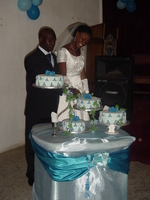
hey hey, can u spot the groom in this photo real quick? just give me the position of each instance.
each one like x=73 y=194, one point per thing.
x=39 y=102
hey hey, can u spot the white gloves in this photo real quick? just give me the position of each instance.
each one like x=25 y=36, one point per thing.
x=85 y=86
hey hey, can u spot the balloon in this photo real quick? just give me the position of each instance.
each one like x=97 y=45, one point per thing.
x=33 y=13
x=37 y=2
x=121 y=5
x=124 y=1
x=24 y=5
x=130 y=6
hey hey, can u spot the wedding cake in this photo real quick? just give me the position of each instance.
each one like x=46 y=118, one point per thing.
x=78 y=125
x=49 y=79
x=88 y=102
x=112 y=116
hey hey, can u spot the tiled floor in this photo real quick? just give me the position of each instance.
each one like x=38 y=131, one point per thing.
x=13 y=182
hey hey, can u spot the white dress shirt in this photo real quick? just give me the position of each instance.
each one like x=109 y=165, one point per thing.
x=46 y=52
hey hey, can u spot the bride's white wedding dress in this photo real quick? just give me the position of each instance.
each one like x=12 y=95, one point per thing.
x=74 y=66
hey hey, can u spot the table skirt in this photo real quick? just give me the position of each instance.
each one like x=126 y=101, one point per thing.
x=101 y=182
x=105 y=184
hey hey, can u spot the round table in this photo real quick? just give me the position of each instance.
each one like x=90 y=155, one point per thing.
x=103 y=181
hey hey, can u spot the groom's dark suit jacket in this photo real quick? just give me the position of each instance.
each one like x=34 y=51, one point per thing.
x=39 y=102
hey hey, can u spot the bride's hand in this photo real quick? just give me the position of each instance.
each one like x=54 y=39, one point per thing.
x=74 y=91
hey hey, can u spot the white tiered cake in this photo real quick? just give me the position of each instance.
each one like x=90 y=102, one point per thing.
x=49 y=79
x=112 y=116
x=88 y=102
x=77 y=126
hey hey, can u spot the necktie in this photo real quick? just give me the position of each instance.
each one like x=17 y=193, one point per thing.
x=49 y=57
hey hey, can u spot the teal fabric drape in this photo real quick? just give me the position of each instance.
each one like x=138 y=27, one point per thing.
x=120 y=161
x=62 y=168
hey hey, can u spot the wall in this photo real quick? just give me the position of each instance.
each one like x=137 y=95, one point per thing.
x=18 y=36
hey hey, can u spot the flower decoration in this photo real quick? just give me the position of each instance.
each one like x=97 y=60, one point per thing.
x=75 y=118
x=113 y=109
x=49 y=73
x=70 y=97
x=87 y=96
x=119 y=123
x=93 y=121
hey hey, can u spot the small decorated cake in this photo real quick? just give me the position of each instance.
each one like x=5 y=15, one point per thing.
x=88 y=102
x=112 y=115
x=49 y=79
x=78 y=125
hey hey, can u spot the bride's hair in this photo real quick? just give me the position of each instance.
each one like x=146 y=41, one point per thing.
x=83 y=28
x=69 y=33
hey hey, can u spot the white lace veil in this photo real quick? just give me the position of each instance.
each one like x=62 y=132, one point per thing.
x=66 y=36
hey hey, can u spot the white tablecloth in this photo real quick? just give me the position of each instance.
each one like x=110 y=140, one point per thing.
x=104 y=183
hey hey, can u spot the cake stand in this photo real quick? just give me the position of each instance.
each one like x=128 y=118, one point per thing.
x=113 y=128
x=47 y=87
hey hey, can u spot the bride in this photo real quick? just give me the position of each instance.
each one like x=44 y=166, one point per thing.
x=71 y=62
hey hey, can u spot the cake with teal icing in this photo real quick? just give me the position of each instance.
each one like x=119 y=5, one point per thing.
x=112 y=116
x=87 y=101
x=78 y=125
x=49 y=79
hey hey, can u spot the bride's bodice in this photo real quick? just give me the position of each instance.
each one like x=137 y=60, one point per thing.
x=74 y=66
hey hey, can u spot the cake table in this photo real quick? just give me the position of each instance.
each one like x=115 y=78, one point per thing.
x=80 y=166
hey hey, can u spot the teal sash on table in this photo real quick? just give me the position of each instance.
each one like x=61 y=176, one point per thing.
x=62 y=168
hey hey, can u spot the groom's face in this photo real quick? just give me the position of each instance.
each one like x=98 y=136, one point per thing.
x=47 y=42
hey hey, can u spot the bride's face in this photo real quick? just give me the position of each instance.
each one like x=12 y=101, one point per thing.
x=82 y=39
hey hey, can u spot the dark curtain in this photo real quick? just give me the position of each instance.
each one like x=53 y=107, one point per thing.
x=134 y=28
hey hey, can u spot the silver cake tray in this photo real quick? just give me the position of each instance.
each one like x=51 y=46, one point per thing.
x=60 y=129
x=46 y=87
x=88 y=109
x=125 y=124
